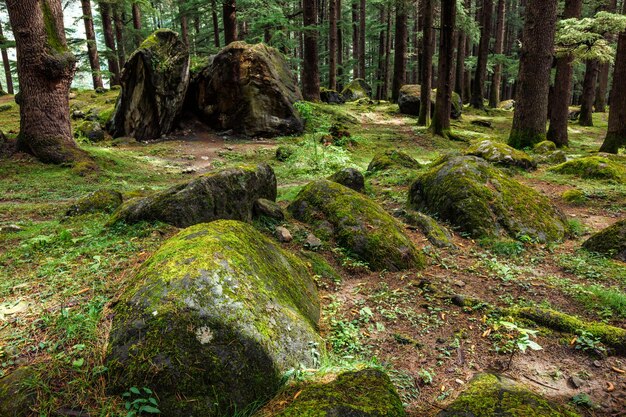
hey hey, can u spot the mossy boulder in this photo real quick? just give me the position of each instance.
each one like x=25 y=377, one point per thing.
x=247 y=89
x=154 y=83
x=392 y=159
x=501 y=154
x=213 y=320
x=483 y=201
x=544 y=147
x=551 y=158
x=330 y=96
x=101 y=201
x=283 y=153
x=349 y=177
x=358 y=224
x=490 y=395
x=225 y=194
x=506 y=105
x=356 y=90
x=16 y=393
x=610 y=241
x=434 y=232
x=409 y=99
x=90 y=130
x=574 y=196
x=364 y=393
x=594 y=167
x=267 y=208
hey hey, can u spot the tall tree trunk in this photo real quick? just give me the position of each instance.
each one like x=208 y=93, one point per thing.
x=45 y=69
x=339 y=46
x=443 y=105
x=427 y=62
x=478 y=90
x=184 y=22
x=332 y=45
x=109 y=41
x=355 y=38
x=230 y=21
x=311 y=76
x=459 y=81
x=589 y=94
x=118 y=21
x=533 y=83
x=399 y=61
x=561 y=94
x=137 y=23
x=603 y=71
x=494 y=96
x=387 y=71
x=380 y=70
x=7 y=65
x=216 y=26
x=362 y=40
x=92 y=50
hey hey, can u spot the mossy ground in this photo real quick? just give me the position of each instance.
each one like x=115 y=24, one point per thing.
x=71 y=270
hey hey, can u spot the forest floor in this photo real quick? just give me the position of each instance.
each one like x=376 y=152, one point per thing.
x=59 y=275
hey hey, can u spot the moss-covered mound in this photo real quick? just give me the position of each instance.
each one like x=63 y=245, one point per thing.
x=16 y=393
x=212 y=320
x=226 y=194
x=154 y=83
x=409 y=100
x=507 y=105
x=544 y=147
x=357 y=89
x=551 y=158
x=331 y=96
x=485 y=202
x=366 y=393
x=90 y=130
x=349 y=177
x=489 y=395
x=105 y=201
x=392 y=159
x=610 y=241
x=595 y=167
x=249 y=89
x=501 y=154
x=358 y=224
x=434 y=232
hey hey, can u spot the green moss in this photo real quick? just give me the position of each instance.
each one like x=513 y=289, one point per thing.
x=356 y=89
x=524 y=138
x=392 y=159
x=594 y=167
x=544 y=147
x=99 y=201
x=16 y=396
x=574 y=196
x=610 y=241
x=436 y=234
x=52 y=31
x=501 y=154
x=358 y=224
x=320 y=267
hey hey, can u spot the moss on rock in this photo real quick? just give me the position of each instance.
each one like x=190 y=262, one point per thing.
x=212 y=320
x=610 y=241
x=434 y=232
x=330 y=96
x=409 y=100
x=365 y=393
x=501 y=154
x=101 y=201
x=16 y=398
x=490 y=395
x=594 y=167
x=358 y=224
x=349 y=177
x=226 y=194
x=90 y=130
x=392 y=159
x=485 y=202
x=574 y=196
x=544 y=147
x=357 y=89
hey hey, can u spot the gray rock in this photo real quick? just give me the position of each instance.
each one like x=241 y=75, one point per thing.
x=349 y=177
x=434 y=232
x=283 y=234
x=356 y=89
x=268 y=208
x=17 y=395
x=577 y=382
x=312 y=242
x=101 y=201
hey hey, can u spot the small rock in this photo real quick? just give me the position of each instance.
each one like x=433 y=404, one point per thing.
x=312 y=242
x=283 y=234
x=458 y=283
x=10 y=228
x=268 y=208
x=481 y=122
x=597 y=364
x=78 y=114
x=576 y=382
x=72 y=96
x=190 y=170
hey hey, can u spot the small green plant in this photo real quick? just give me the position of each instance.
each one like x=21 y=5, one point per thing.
x=140 y=401
x=582 y=400
x=576 y=227
x=589 y=343
x=427 y=376
x=305 y=109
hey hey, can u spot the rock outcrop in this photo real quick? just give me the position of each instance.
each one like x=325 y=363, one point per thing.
x=392 y=159
x=610 y=241
x=501 y=154
x=409 y=100
x=331 y=96
x=594 y=167
x=356 y=89
x=349 y=177
x=101 y=201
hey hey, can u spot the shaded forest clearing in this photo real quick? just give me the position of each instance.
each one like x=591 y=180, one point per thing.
x=431 y=329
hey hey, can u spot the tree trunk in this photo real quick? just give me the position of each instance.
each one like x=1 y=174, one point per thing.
x=427 y=62
x=355 y=39
x=332 y=45
x=603 y=70
x=386 y=72
x=589 y=94
x=362 y=40
x=216 y=26
x=380 y=70
x=459 y=81
x=92 y=50
x=109 y=41
x=399 y=61
x=184 y=22
x=230 y=21
x=533 y=83
x=118 y=21
x=311 y=77
x=45 y=69
x=561 y=94
x=443 y=104
x=137 y=23
x=478 y=90
x=339 y=46
x=494 y=97
x=7 y=65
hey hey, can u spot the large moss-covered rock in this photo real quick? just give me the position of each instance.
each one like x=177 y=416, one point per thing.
x=507 y=105
x=226 y=194
x=330 y=96
x=434 y=232
x=544 y=147
x=349 y=177
x=485 y=202
x=409 y=100
x=212 y=321
x=365 y=393
x=392 y=159
x=357 y=89
x=105 y=201
x=90 y=130
x=249 y=89
x=16 y=393
x=595 y=167
x=154 y=82
x=501 y=154
x=358 y=224
x=489 y=395
x=610 y=241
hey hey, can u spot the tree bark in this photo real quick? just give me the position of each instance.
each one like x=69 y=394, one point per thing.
x=443 y=105
x=339 y=47
x=496 y=80
x=533 y=83
x=427 y=62
x=45 y=69
x=184 y=22
x=603 y=71
x=478 y=90
x=311 y=78
x=92 y=50
x=380 y=70
x=399 y=61
x=230 y=21
x=362 y=40
x=137 y=23
x=561 y=94
x=118 y=21
x=109 y=41
x=460 y=65
x=7 y=65
x=386 y=72
x=332 y=45
x=589 y=94
x=355 y=38
x=216 y=26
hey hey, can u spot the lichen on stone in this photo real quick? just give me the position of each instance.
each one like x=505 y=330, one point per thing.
x=104 y=201
x=594 y=167
x=501 y=154
x=392 y=159
x=610 y=241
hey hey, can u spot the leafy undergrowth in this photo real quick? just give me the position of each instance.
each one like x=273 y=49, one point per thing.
x=59 y=276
